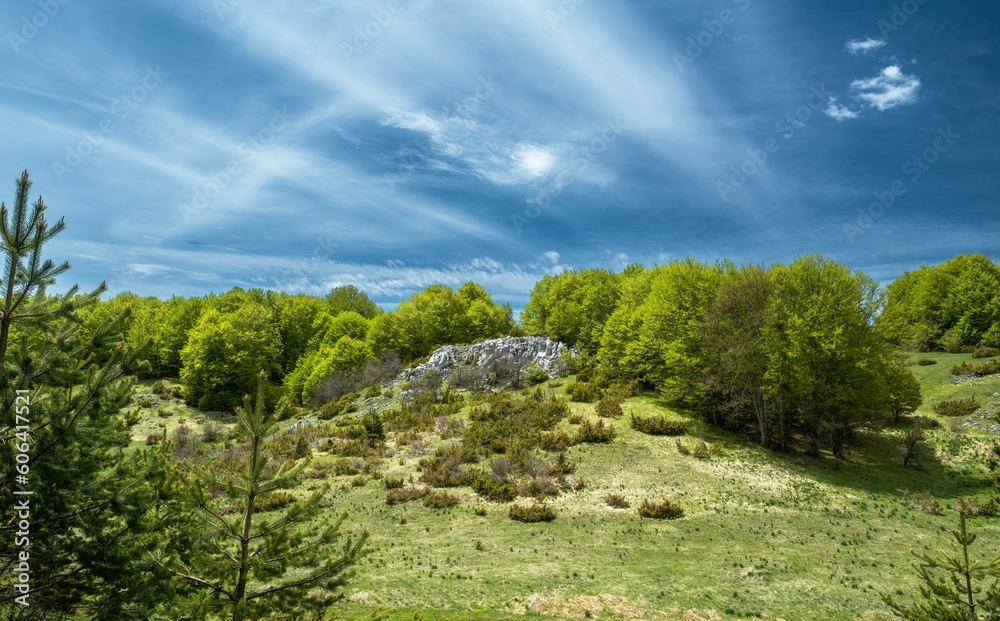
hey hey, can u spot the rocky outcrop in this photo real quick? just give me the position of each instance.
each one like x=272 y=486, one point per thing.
x=492 y=364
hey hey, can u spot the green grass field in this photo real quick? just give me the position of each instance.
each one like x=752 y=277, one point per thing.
x=765 y=535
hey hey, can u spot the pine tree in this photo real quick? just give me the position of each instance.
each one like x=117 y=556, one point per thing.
x=958 y=596
x=246 y=565
x=89 y=502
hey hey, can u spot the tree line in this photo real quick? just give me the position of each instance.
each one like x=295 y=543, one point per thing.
x=772 y=351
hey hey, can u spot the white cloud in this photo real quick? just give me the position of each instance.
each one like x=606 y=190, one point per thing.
x=839 y=112
x=889 y=89
x=863 y=46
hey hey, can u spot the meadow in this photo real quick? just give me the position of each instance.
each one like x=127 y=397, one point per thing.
x=765 y=534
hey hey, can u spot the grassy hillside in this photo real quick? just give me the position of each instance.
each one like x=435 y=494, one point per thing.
x=765 y=535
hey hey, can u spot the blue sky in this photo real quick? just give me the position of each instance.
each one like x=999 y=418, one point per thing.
x=194 y=146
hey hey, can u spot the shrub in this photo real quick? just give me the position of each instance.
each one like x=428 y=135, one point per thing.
x=374 y=426
x=375 y=391
x=583 y=392
x=666 y=509
x=184 y=442
x=273 y=501
x=440 y=500
x=539 y=486
x=974 y=507
x=344 y=467
x=159 y=388
x=681 y=448
x=617 y=501
x=539 y=512
x=926 y=362
x=495 y=491
x=706 y=451
x=979 y=352
x=575 y=419
x=991 y=367
x=393 y=482
x=657 y=425
x=404 y=494
x=359 y=481
x=211 y=432
x=609 y=406
x=145 y=402
x=598 y=432
x=925 y=502
x=480 y=510
x=554 y=440
x=956 y=407
x=508 y=424
x=535 y=375
x=444 y=469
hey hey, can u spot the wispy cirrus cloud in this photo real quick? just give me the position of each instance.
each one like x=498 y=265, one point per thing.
x=839 y=112
x=864 y=46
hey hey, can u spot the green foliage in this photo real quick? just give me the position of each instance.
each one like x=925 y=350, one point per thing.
x=538 y=512
x=985 y=352
x=446 y=468
x=247 y=567
x=658 y=425
x=346 y=354
x=91 y=510
x=572 y=307
x=926 y=362
x=664 y=509
x=956 y=407
x=594 y=433
x=609 y=406
x=440 y=499
x=969 y=590
x=991 y=367
x=225 y=352
x=948 y=306
x=493 y=490
x=349 y=298
x=511 y=425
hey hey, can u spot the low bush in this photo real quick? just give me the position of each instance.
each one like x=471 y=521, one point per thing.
x=583 y=392
x=440 y=499
x=393 y=482
x=973 y=507
x=658 y=425
x=405 y=494
x=532 y=513
x=706 y=451
x=344 y=467
x=924 y=502
x=665 y=509
x=480 y=510
x=991 y=367
x=554 y=440
x=681 y=448
x=979 y=352
x=444 y=469
x=617 y=501
x=273 y=501
x=492 y=490
x=508 y=424
x=926 y=362
x=609 y=406
x=159 y=388
x=594 y=433
x=956 y=407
